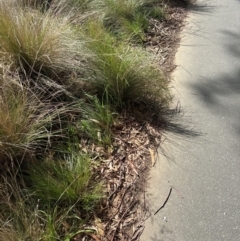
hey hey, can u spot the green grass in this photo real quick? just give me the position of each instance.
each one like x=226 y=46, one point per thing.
x=133 y=31
x=122 y=76
x=23 y=217
x=97 y=121
x=66 y=181
x=128 y=19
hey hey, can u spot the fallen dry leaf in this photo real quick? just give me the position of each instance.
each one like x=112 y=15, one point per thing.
x=152 y=153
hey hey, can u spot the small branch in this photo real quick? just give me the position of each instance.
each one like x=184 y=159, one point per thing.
x=164 y=202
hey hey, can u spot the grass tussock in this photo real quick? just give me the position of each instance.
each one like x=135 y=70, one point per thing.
x=20 y=218
x=23 y=120
x=98 y=121
x=39 y=43
x=68 y=181
x=122 y=76
x=30 y=123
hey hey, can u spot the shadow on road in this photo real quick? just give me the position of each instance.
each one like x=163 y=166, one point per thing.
x=234 y=45
x=200 y=7
x=212 y=90
x=221 y=93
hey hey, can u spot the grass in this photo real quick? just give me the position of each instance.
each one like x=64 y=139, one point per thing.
x=30 y=122
x=67 y=180
x=23 y=120
x=128 y=19
x=122 y=76
x=97 y=122
x=23 y=217
x=38 y=43
x=40 y=4
x=64 y=81
x=19 y=220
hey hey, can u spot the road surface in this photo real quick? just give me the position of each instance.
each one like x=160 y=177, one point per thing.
x=202 y=170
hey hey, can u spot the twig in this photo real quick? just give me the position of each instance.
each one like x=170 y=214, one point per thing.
x=144 y=199
x=164 y=202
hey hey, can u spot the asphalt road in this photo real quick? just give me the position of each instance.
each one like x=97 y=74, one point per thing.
x=202 y=170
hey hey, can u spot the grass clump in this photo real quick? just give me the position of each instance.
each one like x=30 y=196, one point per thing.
x=123 y=18
x=39 y=43
x=23 y=120
x=75 y=5
x=20 y=218
x=30 y=123
x=36 y=4
x=122 y=76
x=69 y=181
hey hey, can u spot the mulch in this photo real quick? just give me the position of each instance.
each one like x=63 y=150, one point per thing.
x=163 y=36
